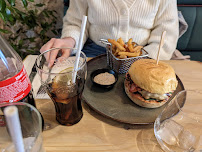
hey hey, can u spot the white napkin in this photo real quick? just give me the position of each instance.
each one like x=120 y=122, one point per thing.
x=29 y=62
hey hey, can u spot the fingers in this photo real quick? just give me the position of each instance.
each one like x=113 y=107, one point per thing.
x=66 y=53
x=57 y=43
x=47 y=46
x=52 y=57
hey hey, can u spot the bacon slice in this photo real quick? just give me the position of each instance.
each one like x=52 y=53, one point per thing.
x=134 y=88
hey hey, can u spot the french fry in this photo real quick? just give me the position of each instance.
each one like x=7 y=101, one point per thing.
x=123 y=50
x=113 y=50
x=135 y=54
x=130 y=46
x=123 y=53
x=113 y=47
x=116 y=44
x=116 y=52
x=138 y=48
x=120 y=40
x=133 y=43
x=129 y=54
x=122 y=56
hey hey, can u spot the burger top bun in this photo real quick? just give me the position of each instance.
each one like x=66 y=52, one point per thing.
x=153 y=78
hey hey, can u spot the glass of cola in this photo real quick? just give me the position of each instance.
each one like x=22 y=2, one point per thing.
x=63 y=83
x=183 y=130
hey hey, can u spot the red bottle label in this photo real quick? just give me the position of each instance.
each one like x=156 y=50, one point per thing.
x=15 y=88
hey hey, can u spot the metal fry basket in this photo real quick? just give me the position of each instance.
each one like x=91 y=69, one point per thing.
x=122 y=65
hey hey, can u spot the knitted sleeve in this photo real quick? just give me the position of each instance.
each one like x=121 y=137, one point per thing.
x=73 y=19
x=166 y=19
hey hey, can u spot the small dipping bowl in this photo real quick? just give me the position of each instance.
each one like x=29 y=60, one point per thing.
x=99 y=71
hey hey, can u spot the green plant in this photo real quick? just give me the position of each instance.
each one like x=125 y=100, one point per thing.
x=26 y=29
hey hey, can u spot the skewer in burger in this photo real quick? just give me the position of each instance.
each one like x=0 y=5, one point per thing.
x=149 y=84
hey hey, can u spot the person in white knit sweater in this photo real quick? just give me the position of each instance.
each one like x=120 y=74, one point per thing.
x=142 y=20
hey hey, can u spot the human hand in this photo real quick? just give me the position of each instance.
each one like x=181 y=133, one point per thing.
x=57 y=43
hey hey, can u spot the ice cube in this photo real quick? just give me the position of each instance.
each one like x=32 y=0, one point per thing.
x=186 y=140
x=169 y=131
x=175 y=127
x=166 y=135
x=62 y=92
x=65 y=92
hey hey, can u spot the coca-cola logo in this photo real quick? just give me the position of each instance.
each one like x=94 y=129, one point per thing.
x=19 y=76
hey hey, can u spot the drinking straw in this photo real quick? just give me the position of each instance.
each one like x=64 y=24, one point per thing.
x=160 y=45
x=83 y=26
x=13 y=123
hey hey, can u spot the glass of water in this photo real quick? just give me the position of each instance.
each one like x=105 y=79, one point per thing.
x=30 y=121
x=179 y=126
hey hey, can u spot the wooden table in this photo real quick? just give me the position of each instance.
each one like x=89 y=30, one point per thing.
x=98 y=134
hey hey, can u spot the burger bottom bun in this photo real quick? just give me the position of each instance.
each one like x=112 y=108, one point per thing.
x=139 y=100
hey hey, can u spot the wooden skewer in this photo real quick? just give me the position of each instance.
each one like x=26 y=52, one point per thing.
x=160 y=45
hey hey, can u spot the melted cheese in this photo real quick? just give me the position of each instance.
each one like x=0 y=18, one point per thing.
x=148 y=95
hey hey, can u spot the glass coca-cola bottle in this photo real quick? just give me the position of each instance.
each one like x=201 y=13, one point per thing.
x=15 y=85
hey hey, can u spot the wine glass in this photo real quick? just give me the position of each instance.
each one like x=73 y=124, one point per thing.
x=182 y=132
x=63 y=83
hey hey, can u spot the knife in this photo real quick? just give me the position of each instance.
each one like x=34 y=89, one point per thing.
x=33 y=72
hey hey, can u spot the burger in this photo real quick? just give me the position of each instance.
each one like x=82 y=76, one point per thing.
x=149 y=84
